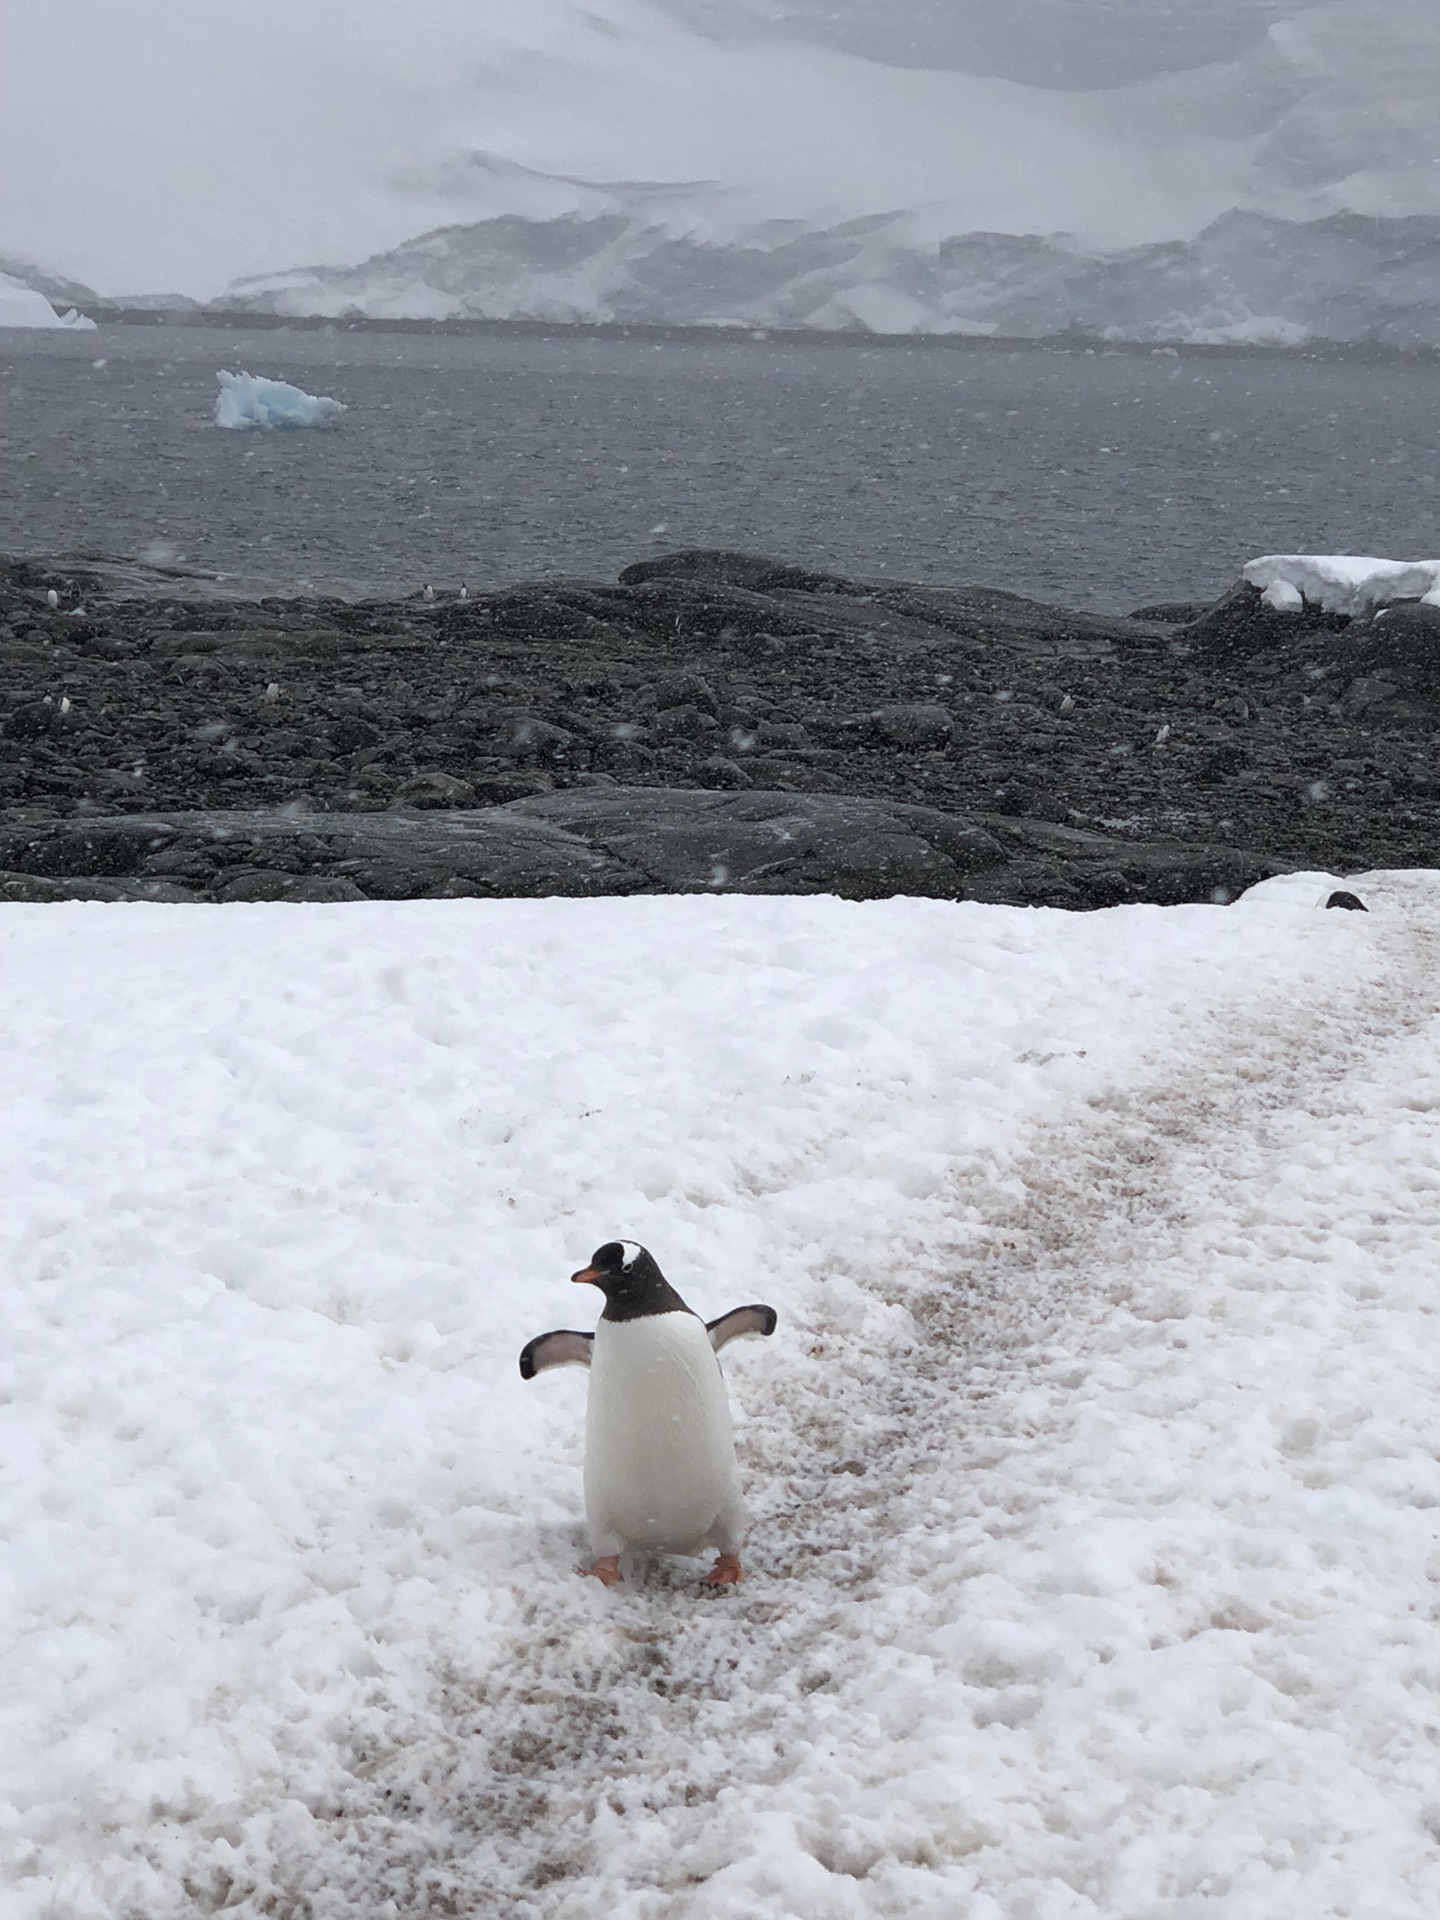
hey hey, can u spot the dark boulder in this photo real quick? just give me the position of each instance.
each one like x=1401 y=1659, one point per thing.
x=525 y=736
x=1400 y=644
x=285 y=855
x=1062 y=865
x=717 y=771
x=1240 y=623
x=298 y=889
x=774 y=842
x=104 y=850
x=683 y=611
x=683 y=723
x=917 y=725
x=33 y=889
x=716 y=567
x=674 y=690
x=435 y=790
x=589 y=840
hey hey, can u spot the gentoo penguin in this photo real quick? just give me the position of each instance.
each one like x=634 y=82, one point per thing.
x=660 y=1468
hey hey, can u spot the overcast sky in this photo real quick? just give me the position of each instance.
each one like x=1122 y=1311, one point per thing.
x=177 y=144
x=1050 y=43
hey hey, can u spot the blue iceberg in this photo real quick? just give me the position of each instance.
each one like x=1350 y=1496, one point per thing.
x=249 y=400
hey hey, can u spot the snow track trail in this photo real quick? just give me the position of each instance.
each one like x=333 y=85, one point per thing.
x=1047 y=1617
x=1094 y=1470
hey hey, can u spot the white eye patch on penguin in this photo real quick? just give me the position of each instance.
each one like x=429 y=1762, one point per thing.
x=660 y=1469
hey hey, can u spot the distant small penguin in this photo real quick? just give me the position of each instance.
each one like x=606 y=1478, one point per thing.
x=428 y=593
x=660 y=1468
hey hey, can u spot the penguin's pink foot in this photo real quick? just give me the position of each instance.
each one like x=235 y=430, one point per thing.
x=726 y=1572
x=607 y=1570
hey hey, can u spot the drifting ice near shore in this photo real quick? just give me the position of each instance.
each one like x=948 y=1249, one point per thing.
x=250 y=400
x=1341 y=582
x=22 y=306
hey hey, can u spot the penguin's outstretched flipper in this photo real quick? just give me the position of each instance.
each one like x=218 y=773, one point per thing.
x=739 y=1320
x=563 y=1348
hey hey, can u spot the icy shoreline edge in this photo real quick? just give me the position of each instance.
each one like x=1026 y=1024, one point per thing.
x=1076 y=340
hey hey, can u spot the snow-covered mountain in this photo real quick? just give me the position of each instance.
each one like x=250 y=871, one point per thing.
x=1190 y=168
x=1246 y=278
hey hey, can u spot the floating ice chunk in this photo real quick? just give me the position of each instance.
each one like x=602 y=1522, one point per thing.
x=1341 y=582
x=22 y=306
x=250 y=400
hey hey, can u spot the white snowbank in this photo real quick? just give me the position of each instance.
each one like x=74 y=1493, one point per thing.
x=1341 y=582
x=287 y=1189
x=250 y=400
x=22 y=306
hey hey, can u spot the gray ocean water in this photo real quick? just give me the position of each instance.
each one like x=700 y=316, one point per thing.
x=1098 y=479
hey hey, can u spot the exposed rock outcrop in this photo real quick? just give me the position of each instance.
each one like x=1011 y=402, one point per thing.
x=711 y=720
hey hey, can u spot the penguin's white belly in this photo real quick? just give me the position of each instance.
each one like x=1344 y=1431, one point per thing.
x=660 y=1469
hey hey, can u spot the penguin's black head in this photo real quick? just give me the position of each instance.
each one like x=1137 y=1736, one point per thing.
x=631 y=1282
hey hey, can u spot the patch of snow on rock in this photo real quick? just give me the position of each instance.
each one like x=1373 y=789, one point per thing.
x=1341 y=582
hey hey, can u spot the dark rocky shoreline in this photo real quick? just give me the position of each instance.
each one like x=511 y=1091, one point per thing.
x=711 y=722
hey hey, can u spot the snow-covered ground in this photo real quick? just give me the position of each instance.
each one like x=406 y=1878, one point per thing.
x=1093 y=1466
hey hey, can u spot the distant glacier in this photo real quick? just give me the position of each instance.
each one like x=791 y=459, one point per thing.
x=1247 y=278
x=1206 y=170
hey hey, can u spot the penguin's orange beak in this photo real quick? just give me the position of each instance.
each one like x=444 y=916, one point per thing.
x=590 y=1274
